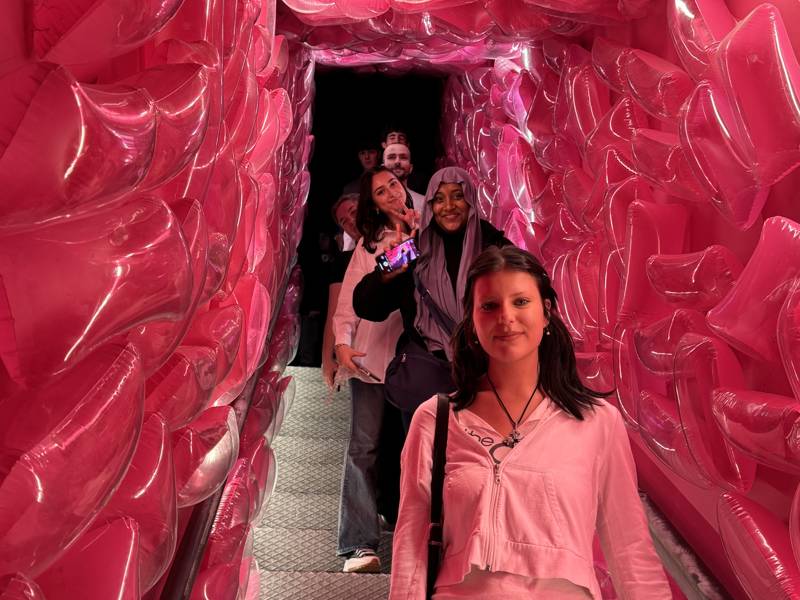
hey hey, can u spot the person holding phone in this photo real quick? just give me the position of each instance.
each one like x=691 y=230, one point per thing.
x=363 y=349
x=451 y=235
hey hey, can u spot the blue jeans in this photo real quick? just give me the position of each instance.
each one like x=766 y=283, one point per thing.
x=358 y=513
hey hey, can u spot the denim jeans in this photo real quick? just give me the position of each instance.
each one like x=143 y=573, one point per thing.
x=358 y=513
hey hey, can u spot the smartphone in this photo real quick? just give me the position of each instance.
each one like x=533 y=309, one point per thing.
x=369 y=374
x=395 y=258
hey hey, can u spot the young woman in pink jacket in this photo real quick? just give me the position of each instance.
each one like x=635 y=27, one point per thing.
x=536 y=462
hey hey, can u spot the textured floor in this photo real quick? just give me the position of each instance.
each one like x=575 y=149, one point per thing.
x=295 y=543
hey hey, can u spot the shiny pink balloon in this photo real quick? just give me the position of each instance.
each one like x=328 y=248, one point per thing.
x=204 y=452
x=102 y=564
x=140 y=271
x=789 y=337
x=56 y=474
x=747 y=317
x=757 y=545
x=181 y=389
x=703 y=364
x=147 y=494
x=698 y=280
x=764 y=426
x=99 y=140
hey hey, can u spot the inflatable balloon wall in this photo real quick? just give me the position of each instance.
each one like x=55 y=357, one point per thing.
x=646 y=151
x=153 y=165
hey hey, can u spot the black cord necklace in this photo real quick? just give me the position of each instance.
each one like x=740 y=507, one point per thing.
x=514 y=437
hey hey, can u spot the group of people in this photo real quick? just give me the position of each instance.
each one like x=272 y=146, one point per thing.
x=536 y=463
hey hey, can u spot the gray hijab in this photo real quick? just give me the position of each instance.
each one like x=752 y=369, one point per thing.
x=432 y=266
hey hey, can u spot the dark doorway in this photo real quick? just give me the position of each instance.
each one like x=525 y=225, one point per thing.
x=349 y=108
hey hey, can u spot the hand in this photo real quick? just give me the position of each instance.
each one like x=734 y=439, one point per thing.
x=345 y=355
x=329 y=368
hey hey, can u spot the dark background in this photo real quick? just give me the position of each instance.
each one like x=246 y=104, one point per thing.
x=350 y=107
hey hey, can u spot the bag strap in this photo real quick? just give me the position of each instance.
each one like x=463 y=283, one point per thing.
x=437 y=483
x=442 y=320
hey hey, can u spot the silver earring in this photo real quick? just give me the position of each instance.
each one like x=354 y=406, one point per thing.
x=547 y=330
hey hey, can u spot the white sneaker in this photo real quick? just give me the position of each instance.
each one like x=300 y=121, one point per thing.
x=363 y=560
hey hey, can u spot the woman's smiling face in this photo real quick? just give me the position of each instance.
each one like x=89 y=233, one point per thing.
x=450 y=208
x=388 y=193
x=509 y=315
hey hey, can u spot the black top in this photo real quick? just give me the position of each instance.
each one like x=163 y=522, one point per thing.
x=339 y=266
x=375 y=300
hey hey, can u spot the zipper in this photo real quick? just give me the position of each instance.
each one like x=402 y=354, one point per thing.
x=495 y=501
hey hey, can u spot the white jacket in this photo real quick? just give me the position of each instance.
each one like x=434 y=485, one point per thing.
x=535 y=513
x=377 y=340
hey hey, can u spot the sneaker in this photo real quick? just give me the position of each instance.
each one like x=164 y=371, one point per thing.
x=363 y=560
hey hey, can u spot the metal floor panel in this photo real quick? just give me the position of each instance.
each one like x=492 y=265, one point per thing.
x=289 y=450
x=295 y=543
x=306 y=550
x=323 y=586
x=305 y=478
x=303 y=511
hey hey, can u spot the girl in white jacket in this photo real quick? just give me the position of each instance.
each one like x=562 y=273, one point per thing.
x=536 y=462
x=364 y=349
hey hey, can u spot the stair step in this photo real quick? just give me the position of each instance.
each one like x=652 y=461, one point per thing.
x=323 y=586
x=293 y=550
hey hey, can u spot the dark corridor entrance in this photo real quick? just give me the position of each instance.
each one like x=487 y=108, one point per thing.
x=350 y=109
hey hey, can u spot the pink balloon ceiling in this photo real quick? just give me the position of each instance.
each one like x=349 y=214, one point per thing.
x=153 y=166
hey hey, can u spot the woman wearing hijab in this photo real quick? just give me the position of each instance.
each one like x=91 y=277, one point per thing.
x=451 y=235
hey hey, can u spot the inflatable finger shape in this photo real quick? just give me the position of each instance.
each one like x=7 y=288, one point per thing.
x=661 y=428
x=656 y=343
x=204 y=453
x=747 y=317
x=615 y=129
x=698 y=280
x=626 y=377
x=703 y=364
x=660 y=157
x=651 y=229
x=115 y=546
x=157 y=340
x=764 y=426
x=658 y=86
x=181 y=389
x=58 y=476
x=99 y=141
x=712 y=138
x=98 y=30
x=759 y=50
x=147 y=494
x=139 y=271
x=789 y=337
x=757 y=546
x=219 y=329
x=616 y=201
x=181 y=94
x=696 y=28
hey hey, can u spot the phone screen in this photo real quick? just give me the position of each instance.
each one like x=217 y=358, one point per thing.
x=396 y=257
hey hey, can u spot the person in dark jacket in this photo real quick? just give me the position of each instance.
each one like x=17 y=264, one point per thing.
x=451 y=235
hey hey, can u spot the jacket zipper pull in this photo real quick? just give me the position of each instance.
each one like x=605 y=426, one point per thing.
x=497 y=472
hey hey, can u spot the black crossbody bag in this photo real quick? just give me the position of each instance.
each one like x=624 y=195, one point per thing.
x=415 y=374
x=435 y=548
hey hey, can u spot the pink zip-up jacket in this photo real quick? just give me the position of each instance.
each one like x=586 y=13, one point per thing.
x=535 y=514
x=377 y=340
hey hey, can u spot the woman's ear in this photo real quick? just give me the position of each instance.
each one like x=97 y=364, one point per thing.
x=548 y=306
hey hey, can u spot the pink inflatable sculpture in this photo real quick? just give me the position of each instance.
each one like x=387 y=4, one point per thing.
x=153 y=162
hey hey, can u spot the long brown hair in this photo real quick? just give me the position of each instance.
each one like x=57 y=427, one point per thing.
x=558 y=372
x=370 y=220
